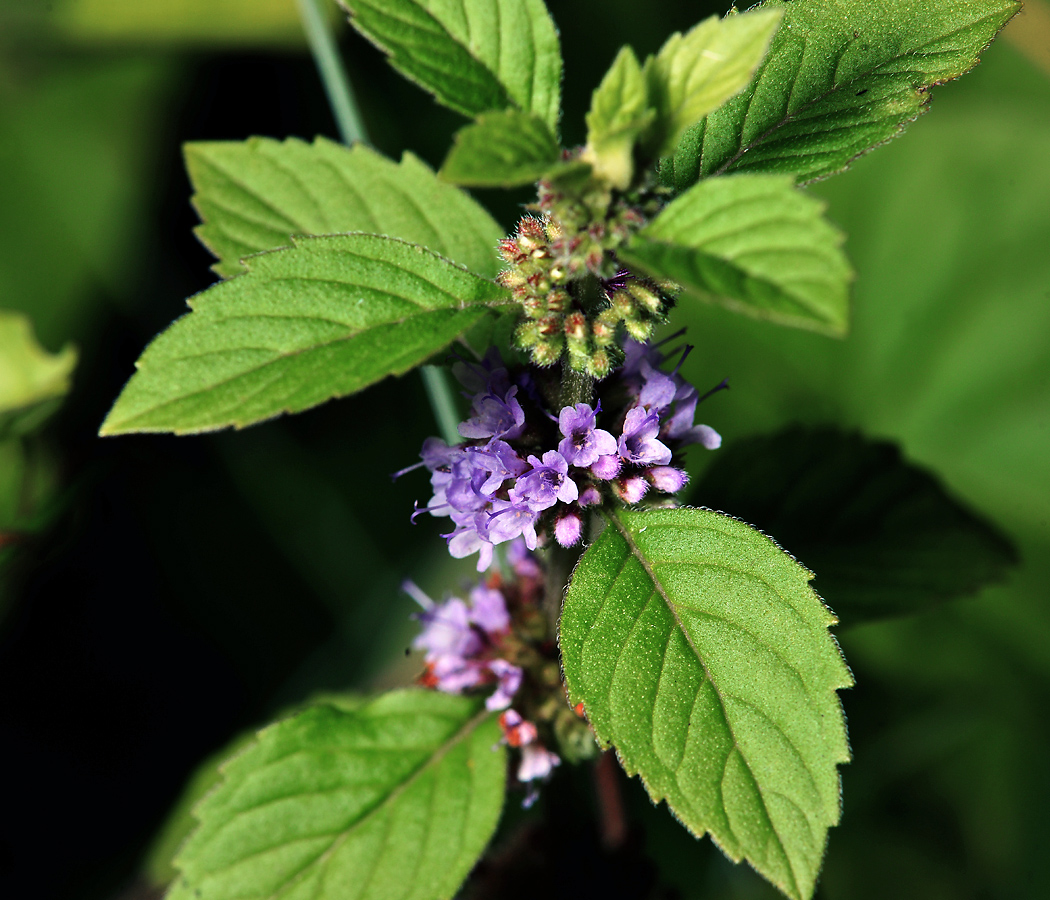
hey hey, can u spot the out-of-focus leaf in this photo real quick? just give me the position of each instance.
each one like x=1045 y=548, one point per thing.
x=76 y=146
x=755 y=244
x=501 y=149
x=396 y=798
x=472 y=55
x=841 y=77
x=32 y=381
x=620 y=113
x=254 y=195
x=881 y=535
x=701 y=653
x=323 y=319
x=194 y=22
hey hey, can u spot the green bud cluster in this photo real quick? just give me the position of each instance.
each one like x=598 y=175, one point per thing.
x=562 y=269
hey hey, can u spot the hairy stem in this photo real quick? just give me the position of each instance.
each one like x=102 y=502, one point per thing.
x=333 y=73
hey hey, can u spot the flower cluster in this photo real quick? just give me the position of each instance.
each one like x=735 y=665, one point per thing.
x=525 y=472
x=485 y=642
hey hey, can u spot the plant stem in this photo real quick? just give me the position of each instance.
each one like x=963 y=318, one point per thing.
x=333 y=73
x=442 y=402
x=351 y=128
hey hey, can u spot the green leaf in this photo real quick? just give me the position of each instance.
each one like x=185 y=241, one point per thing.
x=620 y=113
x=695 y=73
x=501 y=149
x=395 y=799
x=755 y=244
x=841 y=77
x=881 y=534
x=472 y=55
x=323 y=319
x=254 y=195
x=701 y=653
x=32 y=381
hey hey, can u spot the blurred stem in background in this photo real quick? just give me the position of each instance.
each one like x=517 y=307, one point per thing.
x=351 y=128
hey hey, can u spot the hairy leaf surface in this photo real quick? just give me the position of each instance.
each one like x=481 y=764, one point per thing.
x=323 y=319
x=697 y=72
x=254 y=195
x=755 y=244
x=395 y=799
x=701 y=653
x=472 y=55
x=501 y=149
x=32 y=381
x=841 y=77
x=882 y=534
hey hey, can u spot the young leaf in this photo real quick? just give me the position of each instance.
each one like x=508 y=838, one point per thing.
x=254 y=195
x=501 y=149
x=472 y=55
x=841 y=77
x=701 y=653
x=397 y=798
x=755 y=244
x=323 y=319
x=696 y=73
x=620 y=113
x=882 y=535
x=32 y=381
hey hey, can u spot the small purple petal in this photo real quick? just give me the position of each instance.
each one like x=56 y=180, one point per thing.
x=508 y=680
x=488 y=609
x=536 y=762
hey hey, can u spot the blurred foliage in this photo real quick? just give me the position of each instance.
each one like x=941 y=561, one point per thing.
x=197 y=586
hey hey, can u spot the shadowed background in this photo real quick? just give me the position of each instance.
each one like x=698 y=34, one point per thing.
x=190 y=588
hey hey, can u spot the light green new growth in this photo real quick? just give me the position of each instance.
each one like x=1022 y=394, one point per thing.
x=32 y=381
x=322 y=319
x=697 y=72
x=620 y=114
x=702 y=655
x=841 y=77
x=474 y=56
x=254 y=195
x=501 y=149
x=754 y=243
x=395 y=799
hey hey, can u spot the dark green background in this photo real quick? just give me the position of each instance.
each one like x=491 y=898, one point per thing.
x=193 y=587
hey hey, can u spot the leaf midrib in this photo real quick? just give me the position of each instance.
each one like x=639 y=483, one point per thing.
x=628 y=538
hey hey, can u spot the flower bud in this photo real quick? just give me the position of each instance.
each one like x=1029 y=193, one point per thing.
x=606 y=467
x=567 y=529
x=668 y=479
x=631 y=489
x=646 y=298
x=558 y=300
x=638 y=329
x=576 y=326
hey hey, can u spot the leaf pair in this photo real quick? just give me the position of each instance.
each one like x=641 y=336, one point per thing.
x=327 y=316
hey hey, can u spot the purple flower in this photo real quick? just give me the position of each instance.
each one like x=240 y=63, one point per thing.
x=606 y=467
x=546 y=483
x=667 y=479
x=590 y=495
x=508 y=520
x=632 y=488
x=496 y=415
x=488 y=610
x=465 y=540
x=638 y=443
x=508 y=680
x=567 y=529
x=499 y=462
x=583 y=443
x=536 y=762
x=658 y=390
x=521 y=560
x=447 y=631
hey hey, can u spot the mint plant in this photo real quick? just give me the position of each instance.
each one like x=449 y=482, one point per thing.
x=607 y=614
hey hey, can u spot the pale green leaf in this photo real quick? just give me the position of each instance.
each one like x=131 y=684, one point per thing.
x=395 y=799
x=253 y=195
x=501 y=149
x=755 y=244
x=620 y=113
x=323 y=319
x=701 y=653
x=697 y=72
x=883 y=535
x=180 y=22
x=32 y=381
x=841 y=77
x=472 y=55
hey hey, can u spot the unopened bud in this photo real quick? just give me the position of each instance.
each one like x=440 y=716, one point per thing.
x=604 y=333
x=510 y=250
x=646 y=298
x=576 y=326
x=527 y=335
x=631 y=489
x=548 y=352
x=567 y=529
x=600 y=364
x=558 y=300
x=550 y=325
x=668 y=479
x=622 y=305
x=638 y=330
x=531 y=234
